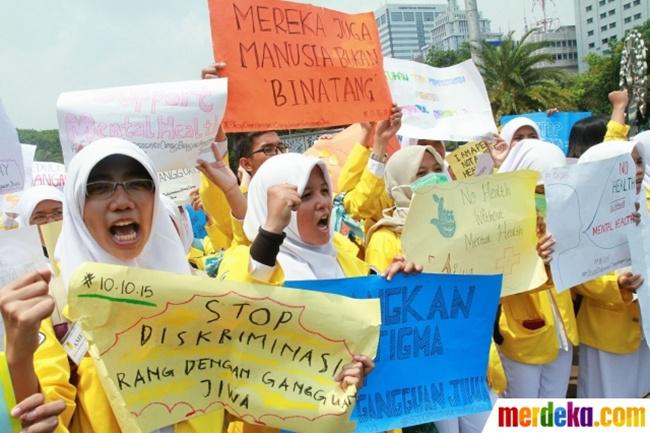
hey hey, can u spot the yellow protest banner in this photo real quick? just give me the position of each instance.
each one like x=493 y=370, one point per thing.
x=463 y=160
x=481 y=225
x=169 y=347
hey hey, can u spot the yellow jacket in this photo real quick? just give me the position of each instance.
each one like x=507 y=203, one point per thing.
x=219 y=225
x=536 y=346
x=87 y=408
x=616 y=131
x=383 y=245
x=366 y=196
x=608 y=320
x=235 y=268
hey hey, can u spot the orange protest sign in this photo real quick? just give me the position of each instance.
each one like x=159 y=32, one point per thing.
x=294 y=65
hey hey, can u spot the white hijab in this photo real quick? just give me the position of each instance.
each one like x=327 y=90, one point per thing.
x=610 y=149
x=31 y=198
x=531 y=154
x=298 y=260
x=644 y=139
x=511 y=128
x=181 y=220
x=163 y=250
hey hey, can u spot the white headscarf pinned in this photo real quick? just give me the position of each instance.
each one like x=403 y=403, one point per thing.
x=510 y=129
x=299 y=261
x=531 y=154
x=181 y=220
x=610 y=149
x=31 y=198
x=644 y=139
x=163 y=250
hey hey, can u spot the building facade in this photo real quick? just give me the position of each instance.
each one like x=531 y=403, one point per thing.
x=599 y=22
x=450 y=29
x=562 y=45
x=405 y=29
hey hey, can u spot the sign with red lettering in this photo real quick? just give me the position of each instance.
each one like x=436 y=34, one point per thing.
x=589 y=212
x=295 y=66
x=48 y=173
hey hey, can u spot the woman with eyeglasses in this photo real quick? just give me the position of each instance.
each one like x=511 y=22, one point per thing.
x=113 y=214
x=40 y=205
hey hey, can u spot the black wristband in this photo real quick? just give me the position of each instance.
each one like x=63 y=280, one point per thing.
x=266 y=246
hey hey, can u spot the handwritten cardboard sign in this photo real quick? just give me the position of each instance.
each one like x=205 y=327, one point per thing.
x=589 y=210
x=464 y=160
x=293 y=65
x=12 y=174
x=172 y=122
x=554 y=128
x=481 y=225
x=440 y=103
x=48 y=173
x=436 y=326
x=171 y=346
x=177 y=184
x=20 y=252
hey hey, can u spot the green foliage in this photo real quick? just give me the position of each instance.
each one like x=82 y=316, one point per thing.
x=47 y=142
x=444 y=58
x=515 y=81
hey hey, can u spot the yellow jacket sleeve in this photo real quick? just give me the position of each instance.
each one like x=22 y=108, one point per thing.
x=238 y=235
x=53 y=371
x=616 y=131
x=368 y=199
x=216 y=206
x=354 y=165
x=382 y=247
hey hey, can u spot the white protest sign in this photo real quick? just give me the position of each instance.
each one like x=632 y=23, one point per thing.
x=177 y=184
x=12 y=172
x=589 y=211
x=48 y=173
x=639 y=241
x=20 y=252
x=28 y=152
x=173 y=122
x=440 y=103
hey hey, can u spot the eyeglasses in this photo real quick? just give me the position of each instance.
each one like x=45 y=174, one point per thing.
x=103 y=189
x=272 y=149
x=44 y=218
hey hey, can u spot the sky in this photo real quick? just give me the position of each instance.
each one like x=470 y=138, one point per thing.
x=48 y=47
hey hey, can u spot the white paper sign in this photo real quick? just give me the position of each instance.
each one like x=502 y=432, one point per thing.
x=48 y=173
x=589 y=212
x=12 y=174
x=177 y=184
x=639 y=241
x=440 y=103
x=28 y=152
x=20 y=252
x=173 y=122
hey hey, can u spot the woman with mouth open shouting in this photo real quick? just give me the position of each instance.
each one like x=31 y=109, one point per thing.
x=288 y=222
x=113 y=213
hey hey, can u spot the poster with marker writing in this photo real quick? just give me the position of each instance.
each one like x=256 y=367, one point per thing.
x=294 y=65
x=434 y=346
x=12 y=172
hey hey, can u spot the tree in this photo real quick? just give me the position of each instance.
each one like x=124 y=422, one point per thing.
x=48 y=146
x=515 y=80
x=444 y=58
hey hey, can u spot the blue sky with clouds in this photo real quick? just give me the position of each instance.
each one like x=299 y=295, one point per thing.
x=49 y=47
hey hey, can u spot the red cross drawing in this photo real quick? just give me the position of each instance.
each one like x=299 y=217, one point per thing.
x=508 y=260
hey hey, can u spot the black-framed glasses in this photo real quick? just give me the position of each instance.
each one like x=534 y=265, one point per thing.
x=103 y=189
x=272 y=149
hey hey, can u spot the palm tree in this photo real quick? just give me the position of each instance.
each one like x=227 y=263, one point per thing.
x=514 y=79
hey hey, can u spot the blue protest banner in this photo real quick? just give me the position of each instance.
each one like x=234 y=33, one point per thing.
x=433 y=347
x=554 y=128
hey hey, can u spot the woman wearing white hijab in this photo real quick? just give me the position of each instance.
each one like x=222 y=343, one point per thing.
x=40 y=205
x=112 y=214
x=115 y=232
x=538 y=328
x=614 y=359
x=644 y=139
x=517 y=129
x=288 y=223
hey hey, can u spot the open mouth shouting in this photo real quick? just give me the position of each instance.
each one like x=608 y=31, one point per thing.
x=323 y=223
x=124 y=233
